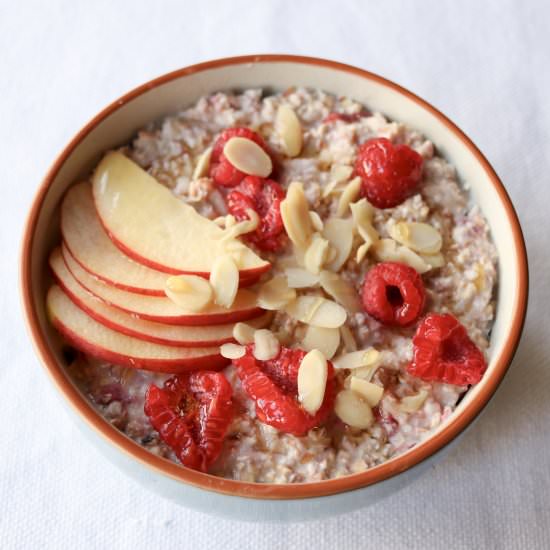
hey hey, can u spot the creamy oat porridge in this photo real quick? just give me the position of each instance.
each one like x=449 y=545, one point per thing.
x=324 y=258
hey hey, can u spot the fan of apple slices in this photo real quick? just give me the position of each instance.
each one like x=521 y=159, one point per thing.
x=145 y=281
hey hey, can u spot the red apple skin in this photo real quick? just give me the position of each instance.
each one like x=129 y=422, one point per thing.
x=169 y=366
x=247 y=274
x=243 y=282
x=134 y=333
x=196 y=320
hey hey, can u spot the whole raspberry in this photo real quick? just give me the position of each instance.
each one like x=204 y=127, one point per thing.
x=191 y=413
x=393 y=293
x=221 y=170
x=443 y=352
x=389 y=173
x=273 y=386
x=264 y=197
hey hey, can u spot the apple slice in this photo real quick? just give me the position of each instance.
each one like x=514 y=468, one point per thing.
x=163 y=310
x=169 y=335
x=92 y=248
x=91 y=337
x=149 y=224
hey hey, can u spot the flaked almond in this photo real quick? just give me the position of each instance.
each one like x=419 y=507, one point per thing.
x=353 y=410
x=317 y=311
x=348 y=339
x=372 y=393
x=420 y=237
x=232 y=351
x=295 y=215
x=339 y=233
x=288 y=126
x=266 y=345
x=326 y=340
x=387 y=250
x=300 y=278
x=412 y=403
x=224 y=278
x=339 y=173
x=362 y=212
x=190 y=292
x=434 y=260
x=356 y=359
x=203 y=163
x=243 y=333
x=248 y=157
x=316 y=254
x=349 y=195
x=234 y=230
x=361 y=252
x=316 y=221
x=341 y=290
x=312 y=381
x=275 y=294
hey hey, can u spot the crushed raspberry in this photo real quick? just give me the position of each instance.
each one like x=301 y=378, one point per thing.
x=273 y=386
x=221 y=170
x=389 y=173
x=344 y=117
x=393 y=293
x=443 y=352
x=192 y=412
x=264 y=197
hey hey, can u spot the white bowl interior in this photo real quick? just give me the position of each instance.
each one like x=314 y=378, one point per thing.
x=168 y=98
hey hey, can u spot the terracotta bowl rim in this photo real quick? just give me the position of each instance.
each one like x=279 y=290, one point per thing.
x=162 y=466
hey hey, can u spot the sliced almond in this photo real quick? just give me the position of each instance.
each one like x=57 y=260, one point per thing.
x=339 y=173
x=372 y=393
x=412 y=403
x=412 y=259
x=300 y=278
x=248 y=157
x=362 y=212
x=341 y=290
x=339 y=233
x=243 y=333
x=420 y=237
x=353 y=410
x=232 y=351
x=295 y=215
x=266 y=345
x=316 y=220
x=234 y=230
x=190 y=292
x=275 y=294
x=326 y=340
x=316 y=254
x=203 y=163
x=349 y=195
x=356 y=359
x=317 y=311
x=434 y=260
x=224 y=278
x=348 y=339
x=312 y=381
x=361 y=252
x=288 y=126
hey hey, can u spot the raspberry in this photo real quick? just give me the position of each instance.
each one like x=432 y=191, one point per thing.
x=443 y=352
x=273 y=386
x=221 y=170
x=393 y=293
x=344 y=117
x=192 y=413
x=264 y=197
x=389 y=173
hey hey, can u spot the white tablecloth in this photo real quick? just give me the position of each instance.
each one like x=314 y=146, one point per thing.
x=485 y=64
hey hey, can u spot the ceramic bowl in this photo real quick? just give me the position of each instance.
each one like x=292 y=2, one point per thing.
x=116 y=124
